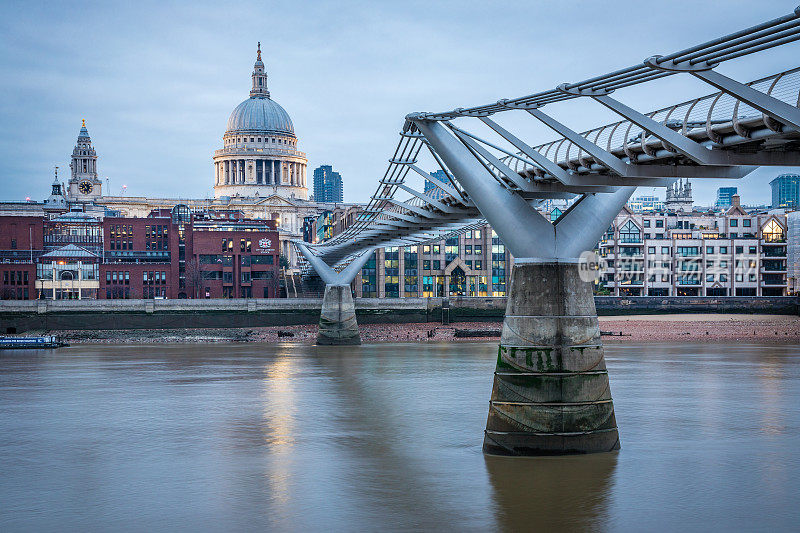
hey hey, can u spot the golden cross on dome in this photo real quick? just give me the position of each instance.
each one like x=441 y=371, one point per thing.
x=83 y=123
x=259 y=50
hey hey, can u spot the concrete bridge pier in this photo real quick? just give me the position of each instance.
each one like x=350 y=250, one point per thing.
x=551 y=392
x=337 y=322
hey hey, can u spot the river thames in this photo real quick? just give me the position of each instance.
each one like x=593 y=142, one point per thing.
x=385 y=437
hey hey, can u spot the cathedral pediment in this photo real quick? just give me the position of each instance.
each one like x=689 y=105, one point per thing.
x=276 y=201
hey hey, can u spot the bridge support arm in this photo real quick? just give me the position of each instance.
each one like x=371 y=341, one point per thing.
x=524 y=231
x=337 y=322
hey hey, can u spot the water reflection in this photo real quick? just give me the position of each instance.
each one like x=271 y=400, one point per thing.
x=555 y=493
x=385 y=437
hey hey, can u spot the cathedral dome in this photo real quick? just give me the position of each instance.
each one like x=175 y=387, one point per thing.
x=260 y=114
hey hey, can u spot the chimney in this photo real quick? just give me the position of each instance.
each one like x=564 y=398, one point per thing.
x=735 y=200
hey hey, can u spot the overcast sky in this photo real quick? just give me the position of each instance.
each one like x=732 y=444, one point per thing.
x=157 y=81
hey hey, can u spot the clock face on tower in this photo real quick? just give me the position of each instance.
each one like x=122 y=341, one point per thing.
x=85 y=187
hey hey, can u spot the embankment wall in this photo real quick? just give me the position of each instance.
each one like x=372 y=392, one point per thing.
x=19 y=316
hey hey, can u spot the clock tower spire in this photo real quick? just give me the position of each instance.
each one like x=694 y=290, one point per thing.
x=84 y=185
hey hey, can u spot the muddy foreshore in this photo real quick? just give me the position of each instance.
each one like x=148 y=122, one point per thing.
x=642 y=328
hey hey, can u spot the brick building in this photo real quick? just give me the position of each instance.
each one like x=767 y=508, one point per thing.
x=169 y=254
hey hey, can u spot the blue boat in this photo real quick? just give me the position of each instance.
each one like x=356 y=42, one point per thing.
x=44 y=341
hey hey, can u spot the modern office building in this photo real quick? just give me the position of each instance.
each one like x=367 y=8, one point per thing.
x=328 y=185
x=646 y=203
x=474 y=263
x=430 y=187
x=786 y=191
x=725 y=197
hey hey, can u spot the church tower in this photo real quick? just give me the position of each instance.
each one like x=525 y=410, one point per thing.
x=84 y=185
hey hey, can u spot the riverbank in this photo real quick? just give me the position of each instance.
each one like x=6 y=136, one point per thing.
x=779 y=329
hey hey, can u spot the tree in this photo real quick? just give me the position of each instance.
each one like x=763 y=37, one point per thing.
x=194 y=277
x=283 y=261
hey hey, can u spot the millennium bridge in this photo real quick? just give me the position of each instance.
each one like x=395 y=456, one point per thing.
x=551 y=391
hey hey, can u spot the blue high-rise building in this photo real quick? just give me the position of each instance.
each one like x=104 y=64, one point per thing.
x=786 y=191
x=328 y=185
x=439 y=175
x=725 y=196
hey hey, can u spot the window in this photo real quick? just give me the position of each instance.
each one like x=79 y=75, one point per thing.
x=468 y=249
x=773 y=232
x=709 y=277
x=478 y=249
x=629 y=232
x=647 y=223
x=262 y=259
x=651 y=249
x=751 y=249
x=208 y=259
x=478 y=265
x=245 y=277
x=245 y=260
x=739 y=249
x=665 y=250
x=659 y=223
x=746 y=223
x=734 y=223
x=477 y=233
x=723 y=249
x=723 y=264
x=437 y=264
x=426 y=264
x=723 y=278
x=709 y=249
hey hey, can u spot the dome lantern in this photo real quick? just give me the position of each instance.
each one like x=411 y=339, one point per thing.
x=259 y=89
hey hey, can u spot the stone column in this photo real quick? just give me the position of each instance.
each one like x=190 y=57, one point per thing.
x=272 y=172
x=551 y=392
x=337 y=322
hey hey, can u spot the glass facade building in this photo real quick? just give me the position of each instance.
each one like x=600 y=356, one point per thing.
x=328 y=185
x=786 y=191
x=725 y=196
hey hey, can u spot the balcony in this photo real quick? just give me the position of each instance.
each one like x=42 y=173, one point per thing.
x=259 y=151
x=773 y=251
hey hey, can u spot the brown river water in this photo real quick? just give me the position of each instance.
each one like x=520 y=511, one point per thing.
x=385 y=437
